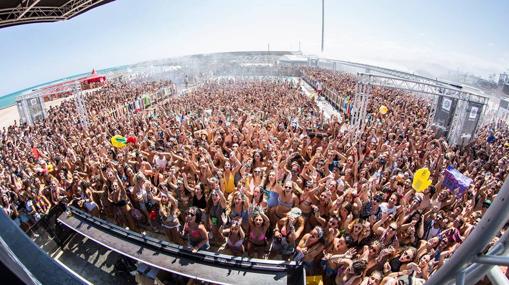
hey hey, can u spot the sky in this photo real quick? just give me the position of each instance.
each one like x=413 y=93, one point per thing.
x=432 y=37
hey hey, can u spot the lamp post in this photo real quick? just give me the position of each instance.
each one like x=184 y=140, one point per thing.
x=323 y=23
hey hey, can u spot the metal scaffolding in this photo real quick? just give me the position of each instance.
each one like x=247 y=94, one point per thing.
x=468 y=264
x=79 y=102
x=360 y=102
x=35 y=11
x=31 y=108
x=372 y=69
x=466 y=100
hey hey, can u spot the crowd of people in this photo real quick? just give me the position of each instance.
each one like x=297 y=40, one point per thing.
x=255 y=168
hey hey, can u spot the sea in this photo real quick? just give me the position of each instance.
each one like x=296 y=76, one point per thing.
x=10 y=99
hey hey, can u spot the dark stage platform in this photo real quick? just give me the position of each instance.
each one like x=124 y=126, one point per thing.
x=205 y=266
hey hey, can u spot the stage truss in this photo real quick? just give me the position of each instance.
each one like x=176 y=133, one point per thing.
x=31 y=108
x=359 y=111
x=373 y=69
x=32 y=11
x=433 y=92
x=79 y=102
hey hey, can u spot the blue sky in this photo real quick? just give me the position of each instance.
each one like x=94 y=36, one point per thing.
x=419 y=36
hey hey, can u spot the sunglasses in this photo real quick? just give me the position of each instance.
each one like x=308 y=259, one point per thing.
x=191 y=214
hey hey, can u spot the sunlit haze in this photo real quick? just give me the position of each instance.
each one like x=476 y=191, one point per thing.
x=428 y=37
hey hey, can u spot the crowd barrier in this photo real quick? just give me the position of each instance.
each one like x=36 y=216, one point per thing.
x=342 y=103
x=144 y=101
x=202 y=265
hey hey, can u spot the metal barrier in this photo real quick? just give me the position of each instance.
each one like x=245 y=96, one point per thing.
x=341 y=103
x=207 y=266
x=468 y=265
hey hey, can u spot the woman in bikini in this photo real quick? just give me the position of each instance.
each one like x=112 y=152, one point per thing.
x=272 y=196
x=194 y=231
x=238 y=210
x=308 y=198
x=258 y=200
x=286 y=201
x=286 y=233
x=322 y=211
x=168 y=211
x=215 y=210
x=337 y=249
x=310 y=246
x=139 y=197
x=230 y=171
x=257 y=238
x=198 y=192
x=257 y=180
x=235 y=239
x=353 y=273
x=121 y=205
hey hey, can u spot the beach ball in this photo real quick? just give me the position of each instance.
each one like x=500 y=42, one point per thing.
x=421 y=179
x=118 y=141
x=383 y=110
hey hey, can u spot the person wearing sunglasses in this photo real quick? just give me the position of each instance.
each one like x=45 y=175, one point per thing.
x=194 y=230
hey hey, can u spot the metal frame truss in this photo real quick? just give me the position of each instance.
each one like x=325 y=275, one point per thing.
x=429 y=89
x=425 y=88
x=432 y=111
x=29 y=12
x=458 y=119
x=360 y=102
x=26 y=111
x=79 y=102
x=468 y=265
x=388 y=71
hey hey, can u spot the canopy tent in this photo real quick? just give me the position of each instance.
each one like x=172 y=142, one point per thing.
x=93 y=78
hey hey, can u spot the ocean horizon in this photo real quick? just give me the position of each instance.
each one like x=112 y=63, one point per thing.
x=9 y=100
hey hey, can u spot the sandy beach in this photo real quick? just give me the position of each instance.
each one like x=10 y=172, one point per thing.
x=10 y=114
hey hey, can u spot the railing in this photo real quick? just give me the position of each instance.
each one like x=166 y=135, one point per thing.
x=170 y=257
x=144 y=102
x=468 y=265
x=342 y=103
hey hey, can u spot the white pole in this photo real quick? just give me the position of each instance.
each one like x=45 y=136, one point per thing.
x=323 y=22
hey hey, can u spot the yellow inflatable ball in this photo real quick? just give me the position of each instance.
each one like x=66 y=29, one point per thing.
x=118 y=141
x=421 y=180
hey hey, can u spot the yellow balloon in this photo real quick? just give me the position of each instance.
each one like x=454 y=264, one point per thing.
x=118 y=141
x=421 y=179
x=383 y=110
x=50 y=167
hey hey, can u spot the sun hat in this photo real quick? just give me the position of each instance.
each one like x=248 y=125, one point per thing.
x=295 y=212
